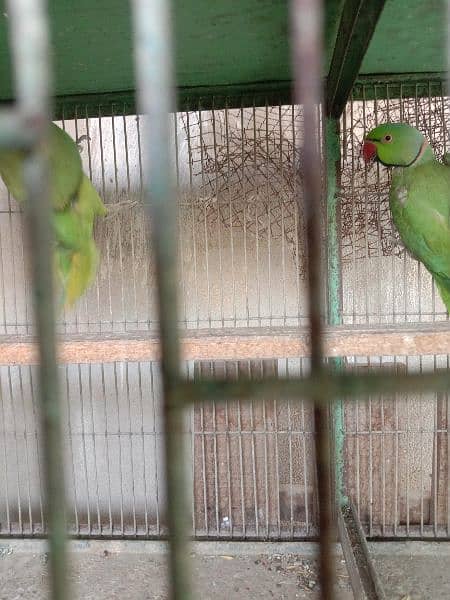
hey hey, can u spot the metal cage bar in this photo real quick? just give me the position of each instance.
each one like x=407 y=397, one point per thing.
x=307 y=42
x=153 y=51
x=31 y=61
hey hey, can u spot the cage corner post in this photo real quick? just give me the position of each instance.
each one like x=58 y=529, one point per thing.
x=334 y=292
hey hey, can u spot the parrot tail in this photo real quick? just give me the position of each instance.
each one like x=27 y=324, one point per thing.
x=443 y=284
x=76 y=271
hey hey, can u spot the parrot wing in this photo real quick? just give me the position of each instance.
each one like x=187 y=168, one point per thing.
x=420 y=205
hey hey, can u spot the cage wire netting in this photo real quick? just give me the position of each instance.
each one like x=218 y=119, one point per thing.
x=242 y=264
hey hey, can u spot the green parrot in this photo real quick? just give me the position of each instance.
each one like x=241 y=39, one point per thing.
x=75 y=204
x=419 y=197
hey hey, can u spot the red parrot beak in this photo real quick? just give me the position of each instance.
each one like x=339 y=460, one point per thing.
x=369 y=151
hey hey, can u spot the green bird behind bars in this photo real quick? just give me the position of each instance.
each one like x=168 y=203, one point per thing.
x=75 y=204
x=419 y=197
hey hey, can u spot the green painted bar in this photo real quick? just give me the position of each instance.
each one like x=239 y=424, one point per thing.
x=356 y=28
x=334 y=276
x=328 y=385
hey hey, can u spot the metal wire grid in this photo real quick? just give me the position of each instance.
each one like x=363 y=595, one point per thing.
x=239 y=252
x=241 y=244
x=397 y=455
x=250 y=466
x=229 y=232
x=241 y=483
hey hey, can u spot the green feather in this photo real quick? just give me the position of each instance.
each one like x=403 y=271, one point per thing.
x=443 y=285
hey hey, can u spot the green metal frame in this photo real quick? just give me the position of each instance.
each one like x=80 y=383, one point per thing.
x=334 y=279
x=357 y=25
x=229 y=96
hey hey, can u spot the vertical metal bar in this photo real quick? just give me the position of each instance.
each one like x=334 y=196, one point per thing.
x=119 y=445
x=108 y=251
x=155 y=390
x=204 y=472
x=94 y=449
x=334 y=278
x=144 y=453
x=216 y=465
x=307 y=47
x=80 y=396
x=256 y=205
x=153 y=51
x=5 y=475
x=72 y=454
x=24 y=432
x=31 y=61
x=107 y=453
x=219 y=213
x=26 y=435
x=130 y=442
x=229 y=480
x=38 y=448
x=14 y=437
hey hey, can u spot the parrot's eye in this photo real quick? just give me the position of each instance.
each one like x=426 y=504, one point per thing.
x=387 y=138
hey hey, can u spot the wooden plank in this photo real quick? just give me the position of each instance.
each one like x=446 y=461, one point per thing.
x=235 y=344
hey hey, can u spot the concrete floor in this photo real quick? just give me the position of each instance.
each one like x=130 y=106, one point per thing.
x=222 y=571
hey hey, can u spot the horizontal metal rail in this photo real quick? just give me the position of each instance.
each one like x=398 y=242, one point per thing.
x=328 y=385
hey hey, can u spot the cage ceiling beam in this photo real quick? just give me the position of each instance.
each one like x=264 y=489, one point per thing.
x=238 y=344
x=358 y=21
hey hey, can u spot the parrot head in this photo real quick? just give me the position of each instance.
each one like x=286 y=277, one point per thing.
x=394 y=145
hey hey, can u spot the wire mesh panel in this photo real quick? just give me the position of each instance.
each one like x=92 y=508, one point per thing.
x=113 y=450
x=254 y=474
x=397 y=455
x=238 y=225
x=397 y=447
x=251 y=467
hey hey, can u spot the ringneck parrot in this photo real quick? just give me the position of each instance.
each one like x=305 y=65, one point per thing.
x=419 y=196
x=75 y=204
